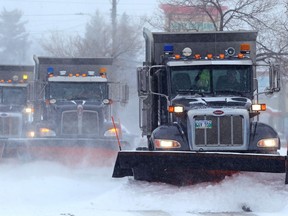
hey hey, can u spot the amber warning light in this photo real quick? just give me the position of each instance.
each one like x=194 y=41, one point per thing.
x=175 y=109
x=25 y=77
x=245 y=48
x=103 y=72
x=259 y=107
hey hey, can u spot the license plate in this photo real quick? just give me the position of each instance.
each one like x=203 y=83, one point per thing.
x=203 y=124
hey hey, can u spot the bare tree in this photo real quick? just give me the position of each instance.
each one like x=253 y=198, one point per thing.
x=128 y=36
x=60 y=45
x=97 y=41
x=272 y=36
x=98 y=38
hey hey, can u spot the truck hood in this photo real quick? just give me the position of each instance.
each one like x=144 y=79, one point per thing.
x=192 y=102
x=60 y=106
x=72 y=103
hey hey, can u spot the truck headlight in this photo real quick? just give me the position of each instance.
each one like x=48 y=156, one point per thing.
x=111 y=132
x=29 y=110
x=107 y=101
x=166 y=144
x=268 y=143
x=46 y=132
x=31 y=134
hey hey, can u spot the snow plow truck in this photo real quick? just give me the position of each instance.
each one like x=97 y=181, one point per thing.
x=199 y=110
x=73 y=108
x=16 y=108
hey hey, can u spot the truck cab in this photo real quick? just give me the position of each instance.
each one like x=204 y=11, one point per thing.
x=203 y=96
x=74 y=97
x=74 y=110
x=82 y=105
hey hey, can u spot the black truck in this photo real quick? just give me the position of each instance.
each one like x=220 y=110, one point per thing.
x=199 y=105
x=73 y=118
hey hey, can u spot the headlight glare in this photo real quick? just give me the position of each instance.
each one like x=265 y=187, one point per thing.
x=164 y=143
x=111 y=132
x=31 y=134
x=46 y=132
x=268 y=143
x=29 y=110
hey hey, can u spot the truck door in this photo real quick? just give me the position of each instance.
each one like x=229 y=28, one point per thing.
x=145 y=101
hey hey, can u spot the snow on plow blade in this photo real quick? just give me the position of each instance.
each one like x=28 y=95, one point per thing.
x=181 y=166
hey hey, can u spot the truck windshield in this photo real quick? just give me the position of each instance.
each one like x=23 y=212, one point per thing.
x=13 y=95
x=212 y=79
x=78 y=91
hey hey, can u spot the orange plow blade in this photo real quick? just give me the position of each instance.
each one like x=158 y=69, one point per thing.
x=71 y=152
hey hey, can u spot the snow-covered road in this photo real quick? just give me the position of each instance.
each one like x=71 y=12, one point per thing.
x=50 y=189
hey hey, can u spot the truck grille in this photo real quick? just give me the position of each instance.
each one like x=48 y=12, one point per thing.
x=84 y=123
x=10 y=125
x=218 y=130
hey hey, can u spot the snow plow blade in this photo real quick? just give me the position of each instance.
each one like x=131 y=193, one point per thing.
x=180 y=166
x=69 y=151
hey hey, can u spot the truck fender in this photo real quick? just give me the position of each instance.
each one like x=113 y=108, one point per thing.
x=260 y=131
x=170 y=132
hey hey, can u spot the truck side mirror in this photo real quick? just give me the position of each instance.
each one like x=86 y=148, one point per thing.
x=143 y=81
x=119 y=92
x=274 y=78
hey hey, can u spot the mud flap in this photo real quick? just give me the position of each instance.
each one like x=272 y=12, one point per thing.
x=158 y=165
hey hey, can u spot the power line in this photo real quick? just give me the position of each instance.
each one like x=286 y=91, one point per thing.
x=57 y=2
x=73 y=14
x=78 y=2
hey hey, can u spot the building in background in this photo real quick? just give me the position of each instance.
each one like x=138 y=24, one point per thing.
x=187 y=18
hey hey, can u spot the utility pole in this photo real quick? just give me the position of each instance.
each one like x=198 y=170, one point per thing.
x=114 y=25
x=113 y=76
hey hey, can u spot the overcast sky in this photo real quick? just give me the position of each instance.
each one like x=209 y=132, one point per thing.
x=61 y=15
